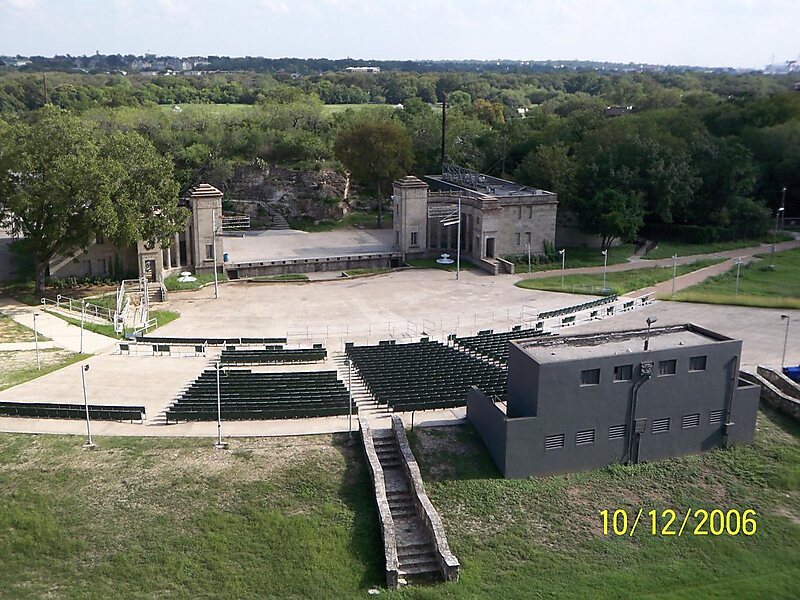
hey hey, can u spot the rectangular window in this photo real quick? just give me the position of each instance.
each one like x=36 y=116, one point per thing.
x=518 y=239
x=616 y=432
x=413 y=238
x=519 y=212
x=715 y=417
x=690 y=421
x=623 y=373
x=697 y=363
x=101 y=266
x=554 y=442
x=666 y=367
x=584 y=438
x=530 y=212
x=590 y=377
x=528 y=236
x=209 y=251
x=660 y=426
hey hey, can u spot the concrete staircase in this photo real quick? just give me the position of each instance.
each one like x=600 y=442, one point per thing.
x=279 y=222
x=416 y=551
x=366 y=404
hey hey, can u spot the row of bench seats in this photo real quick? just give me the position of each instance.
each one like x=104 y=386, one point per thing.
x=47 y=410
x=578 y=307
x=424 y=375
x=273 y=355
x=191 y=341
x=495 y=345
x=248 y=395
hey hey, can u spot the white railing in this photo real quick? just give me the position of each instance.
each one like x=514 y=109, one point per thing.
x=80 y=308
x=146 y=327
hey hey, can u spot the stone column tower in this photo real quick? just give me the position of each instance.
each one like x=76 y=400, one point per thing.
x=203 y=199
x=410 y=215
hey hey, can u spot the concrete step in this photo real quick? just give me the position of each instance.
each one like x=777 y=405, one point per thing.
x=402 y=512
x=423 y=562
x=423 y=551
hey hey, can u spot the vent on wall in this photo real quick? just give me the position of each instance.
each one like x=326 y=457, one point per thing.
x=660 y=426
x=690 y=421
x=616 y=432
x=554 y=442
x=715 y=417
x=584 y=438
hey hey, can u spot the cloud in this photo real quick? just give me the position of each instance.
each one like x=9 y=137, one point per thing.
x=278 y=7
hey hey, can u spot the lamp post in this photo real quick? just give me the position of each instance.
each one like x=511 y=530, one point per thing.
x=605 y=268
x=219 y=444
x=458 y=238
x=83 y=318
x=89 y=444
x=774 y=238
x=36 y=341
x=783 y=206
x=563 y=253
x=348 y=362
x=214 y=250
x=649 y=321
x=785 y=339
x=674 y=273
x=738 y=269
x=528 y=246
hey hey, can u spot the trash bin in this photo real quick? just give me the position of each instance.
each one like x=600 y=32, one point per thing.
x=792 y=373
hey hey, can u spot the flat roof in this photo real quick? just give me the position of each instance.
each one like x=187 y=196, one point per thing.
x=617 y=343
x=487 y=185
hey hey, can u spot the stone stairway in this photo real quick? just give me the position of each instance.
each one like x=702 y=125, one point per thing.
x=416 y=551
x=279 y=222
x=365 y=403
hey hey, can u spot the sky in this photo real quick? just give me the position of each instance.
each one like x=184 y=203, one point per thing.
x=728 y=33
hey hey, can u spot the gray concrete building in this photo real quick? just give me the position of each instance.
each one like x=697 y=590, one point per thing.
x=585 y=401
x=191 y=249
x=498 y=217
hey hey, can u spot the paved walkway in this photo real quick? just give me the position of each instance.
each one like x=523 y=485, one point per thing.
x=62 y=333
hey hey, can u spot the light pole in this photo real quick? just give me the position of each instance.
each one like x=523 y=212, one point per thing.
x=605 y=267
x=528 y=246
x=563 y=253
x=458 y=238
x=83 y=317
x=214 y=250
x=674 y=273
x=36 y=341
x=774 y=238
x=738 y=269
x=649 y=321
x=89 y=444
x=783 y=206
x=348 y=362
x=219 y=444
x=785 y=339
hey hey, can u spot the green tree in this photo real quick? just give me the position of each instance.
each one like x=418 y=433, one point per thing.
x=62 y=183
x=612 y=215
x=375 y=153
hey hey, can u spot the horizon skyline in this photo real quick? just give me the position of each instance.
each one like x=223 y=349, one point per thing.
x=739 y=34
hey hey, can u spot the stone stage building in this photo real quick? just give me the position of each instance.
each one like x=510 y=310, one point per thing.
x=581 y=402
x=191 y=249
x=499 y=217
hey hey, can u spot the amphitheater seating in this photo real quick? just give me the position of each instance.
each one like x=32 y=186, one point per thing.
x=47 y=410
x=494 y=345
x=577 y=307
x=424 y=375
x=191 y=341
x=247 y=395
x=272 y=355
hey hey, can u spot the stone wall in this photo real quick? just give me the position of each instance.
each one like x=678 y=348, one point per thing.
x=775 y=397
x=312 y=265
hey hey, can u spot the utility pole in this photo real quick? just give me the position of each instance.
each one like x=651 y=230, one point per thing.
x=674 y=273
x=783 y=207
x=214 y=250
x=563 y=253
x=444 y=126
x=89 y=444
x=738 y=269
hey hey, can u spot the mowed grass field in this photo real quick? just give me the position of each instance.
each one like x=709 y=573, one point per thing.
x=295 y=518
x=758 y=285
x=619 y=282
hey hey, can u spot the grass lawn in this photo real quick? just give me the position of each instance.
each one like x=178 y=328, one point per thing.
x=575 y=258
x=174 y=518
x=173 y=285
x=620 y=282
x=12 y=332
x=294 y=518
x=355 y=219
x=430 y=263
x=20 y=366
x=281 y=277
x=758 y=285
x=210 y=109
x=542 y=537
x=375 y=271
x=667 y=249
x=330 y=109
x=162 y=317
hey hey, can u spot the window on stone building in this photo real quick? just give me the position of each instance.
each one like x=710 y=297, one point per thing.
x=519 y=212
x=518 y=239
x=530 y=212
x=413 y=238
x=528 y=237
x=209 y=251
x=590 y=377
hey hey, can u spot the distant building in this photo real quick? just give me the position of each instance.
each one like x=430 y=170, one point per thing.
x=363 y=69
x=499 y=217
x=582 y=402
x=617 y=111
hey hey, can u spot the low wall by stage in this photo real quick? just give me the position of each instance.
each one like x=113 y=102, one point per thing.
x=311 y=265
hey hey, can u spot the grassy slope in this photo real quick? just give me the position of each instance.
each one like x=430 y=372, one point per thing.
x=758 y=286
x=667 y=249
x=14 y=376
x=620 y=282
x=161 y=316
x=542 y=538
x=11 y=332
